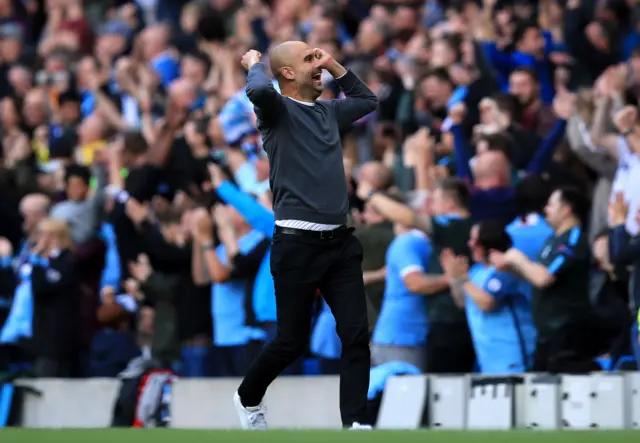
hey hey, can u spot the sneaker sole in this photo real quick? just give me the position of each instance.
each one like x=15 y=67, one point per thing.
x=242 y=413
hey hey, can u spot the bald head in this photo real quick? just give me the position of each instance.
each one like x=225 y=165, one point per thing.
x=183 y=91
x=285 y=55
x=376 y=173
x=34 y=209
x=294 y=65
x=38 y=202
x=492 y=168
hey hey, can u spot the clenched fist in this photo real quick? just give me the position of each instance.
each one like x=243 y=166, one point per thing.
x=457 y=113
x=5 y=248
x=250 y=58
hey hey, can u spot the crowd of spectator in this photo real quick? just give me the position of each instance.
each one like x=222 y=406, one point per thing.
x=495 y=191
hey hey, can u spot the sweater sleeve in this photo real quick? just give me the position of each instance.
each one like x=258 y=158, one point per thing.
x=543 y=156
x=359 y=101
x=461 y=151
x=266 y=100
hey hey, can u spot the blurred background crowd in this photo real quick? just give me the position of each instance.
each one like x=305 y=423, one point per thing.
x=135 y=211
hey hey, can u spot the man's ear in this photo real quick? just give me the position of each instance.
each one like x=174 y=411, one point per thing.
x=287 y=73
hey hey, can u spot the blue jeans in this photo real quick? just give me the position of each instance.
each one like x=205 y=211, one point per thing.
x=194 y=360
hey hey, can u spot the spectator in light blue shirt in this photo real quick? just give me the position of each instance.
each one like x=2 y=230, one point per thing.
x=498 y=313
x=401 y=331
x=18 y=324
x=530 y=230
x=231 y=265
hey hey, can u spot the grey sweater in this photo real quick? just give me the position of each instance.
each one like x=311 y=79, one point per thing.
x=303 y=144
x=84 y=217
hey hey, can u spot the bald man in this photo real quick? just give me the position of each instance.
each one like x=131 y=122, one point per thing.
x=312 y=247
x=33 y=208
x=184 y=92
x=492 y=193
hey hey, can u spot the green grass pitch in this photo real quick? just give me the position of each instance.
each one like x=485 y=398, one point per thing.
x=278 y=436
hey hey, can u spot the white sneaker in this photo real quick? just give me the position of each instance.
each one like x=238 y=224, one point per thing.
x=358 y=427
x=253 y=418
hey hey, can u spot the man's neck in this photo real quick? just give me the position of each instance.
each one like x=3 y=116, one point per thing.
x=300 y=99
x=297 y=96
x=566 y=226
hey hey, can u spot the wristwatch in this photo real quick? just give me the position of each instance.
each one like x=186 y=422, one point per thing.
x=207 y=246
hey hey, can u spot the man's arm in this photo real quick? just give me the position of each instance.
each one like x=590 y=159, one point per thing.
x=599 y=128
x=217 y=271
x=425 y=284
x=461 y=151
x=580 y=142
x=410 y=260
x=266 y=100
x=535 y=273
x=544 y=154
x=377 y=276
x=457 y=291
x=498 y=287
x=175 y=117
x=481 y=298
x=360 y=99
x=239 y=266
x=399 y=213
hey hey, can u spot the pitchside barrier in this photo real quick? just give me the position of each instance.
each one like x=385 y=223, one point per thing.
x=598 y=401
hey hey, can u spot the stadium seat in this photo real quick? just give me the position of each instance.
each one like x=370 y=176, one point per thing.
x=403 y=402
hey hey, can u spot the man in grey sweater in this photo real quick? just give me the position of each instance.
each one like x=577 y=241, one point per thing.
x=312 y=247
